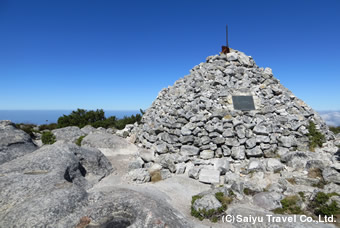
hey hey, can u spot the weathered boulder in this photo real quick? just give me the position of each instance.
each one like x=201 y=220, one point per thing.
x=109 y=144
x=209 y=176
x=331 y=175
x=268 y=200
x=88 y=129
x=45 y=186
x=207 y=202
x=13 y=142
x=68 y=134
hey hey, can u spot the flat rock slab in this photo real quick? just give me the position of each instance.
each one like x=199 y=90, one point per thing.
x=209 y=176
x=109 y=144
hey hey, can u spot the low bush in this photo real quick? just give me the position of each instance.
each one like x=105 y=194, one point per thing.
x=289 y=205
x=28 y=128
x=48 y=138
x=212 y=214
x=335 y=130
x=320 y=207
x=82 y=117
x=49 y=127
x=80 y=139
x=316 y=139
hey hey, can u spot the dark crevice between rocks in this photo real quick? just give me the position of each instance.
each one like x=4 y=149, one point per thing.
x=69 y=174
x=337 y=155
x=82 y=169
x=115 y=223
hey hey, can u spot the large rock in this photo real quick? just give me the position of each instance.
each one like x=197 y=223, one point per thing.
x=331 y=175
x=68 y=134
x=207 y=202
x=268 y=200
x=45 y=186
x=13 y=142
x=109 y=144
x=50 y=187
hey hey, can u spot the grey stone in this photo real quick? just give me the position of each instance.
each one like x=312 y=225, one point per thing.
x=260 y=130
x=268 y=200
x=160 y=147
x=88 y=129
x=226 y=150
x=238 y=152
x=207 y=154
x=254 y=152
x=331 y=175
x=209 y=176
x=254 y=165
x=180 y=168
x=68 y=134
x=250 y=143
x=274 y=165
x=146 y=155
x=154 y=167
x=287 y=141
x=232 y=56
x=188 y=150
x=221 y=164
x=13 y=142
x=218 y=140
x=194 y=172
x=140 y=175
x=207 y=202
x=136 y=164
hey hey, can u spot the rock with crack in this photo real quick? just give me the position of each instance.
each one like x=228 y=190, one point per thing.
x=45 y=186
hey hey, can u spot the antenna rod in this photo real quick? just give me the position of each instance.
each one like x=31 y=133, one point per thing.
x=227 y=37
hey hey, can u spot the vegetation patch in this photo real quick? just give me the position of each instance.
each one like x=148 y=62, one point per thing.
x=289 y=206
x=291 y=180
x=335 y=130
x=28 y=128
x=319 y=205
x=316 y=139
x=82 y=117
x=156 y=176
x=213 y=214
x=80 y=139
x=48 y=138
x=249 y=192
x=315 y=173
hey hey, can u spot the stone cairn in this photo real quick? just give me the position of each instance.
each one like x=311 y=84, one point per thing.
x=194 y=124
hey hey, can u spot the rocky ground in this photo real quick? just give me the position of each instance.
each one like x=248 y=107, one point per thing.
x=101 y=184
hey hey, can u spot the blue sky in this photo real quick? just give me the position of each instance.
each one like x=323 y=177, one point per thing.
x=117 y=55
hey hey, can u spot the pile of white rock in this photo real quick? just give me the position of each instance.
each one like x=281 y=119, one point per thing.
x=193 y=126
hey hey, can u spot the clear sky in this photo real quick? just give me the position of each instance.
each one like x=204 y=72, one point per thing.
x=117 y=55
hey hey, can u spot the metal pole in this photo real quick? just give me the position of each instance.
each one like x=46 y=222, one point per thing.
x=227 y=37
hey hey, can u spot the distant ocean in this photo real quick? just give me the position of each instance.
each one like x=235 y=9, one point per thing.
x=50 y=116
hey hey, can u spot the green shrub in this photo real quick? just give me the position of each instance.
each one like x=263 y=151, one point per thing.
x=211 y=214
x=320 y=206
x=81 y=118
x=49 y=127
x=28 y=128
x=96 y=119
x=316 y=139
x=335 y=130
x=289 y=206
x=80 y=139
x=249 y=192
x=48 y=138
